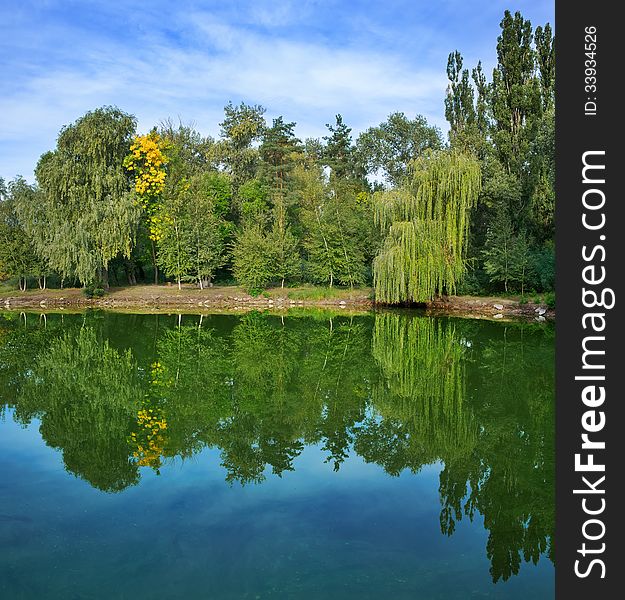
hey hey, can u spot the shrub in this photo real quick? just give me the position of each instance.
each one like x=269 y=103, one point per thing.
x=93 y=291
x=550 y=299
x=544 y=269
x=253 y=259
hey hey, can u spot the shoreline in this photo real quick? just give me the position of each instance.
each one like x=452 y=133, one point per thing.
x=157 y=298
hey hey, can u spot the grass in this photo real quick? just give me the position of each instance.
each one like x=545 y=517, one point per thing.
x=316 y=293
x=304 y=292
x=7 y=290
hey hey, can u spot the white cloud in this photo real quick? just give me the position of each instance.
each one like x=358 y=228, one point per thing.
x=307 y=81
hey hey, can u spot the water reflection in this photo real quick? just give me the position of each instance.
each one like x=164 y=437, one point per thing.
x=120 y=393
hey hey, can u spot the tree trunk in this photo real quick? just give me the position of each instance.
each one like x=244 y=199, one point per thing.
x=179 y=284
x=130 y=274
x=154 y=263
x=105 y=278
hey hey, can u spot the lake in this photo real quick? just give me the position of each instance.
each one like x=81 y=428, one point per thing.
x=315 y=455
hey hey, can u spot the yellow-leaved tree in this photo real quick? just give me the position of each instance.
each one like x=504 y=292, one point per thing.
x=147 y=162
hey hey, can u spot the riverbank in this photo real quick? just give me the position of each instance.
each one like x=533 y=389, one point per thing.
x=154 y=298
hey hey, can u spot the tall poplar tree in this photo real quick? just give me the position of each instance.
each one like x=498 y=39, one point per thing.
x=459 y=106
x=516 y=98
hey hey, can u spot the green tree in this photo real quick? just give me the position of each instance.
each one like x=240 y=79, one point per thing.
x=286 y=263
x=243 y=125
x=542 y=179
x=392 y=145
x=459 y=104
x=197 y=152
x=482 y=101
x=426 y=224
x=516 y=99
x=466 y=107
x=175 y=242
x=339 y=152
x=206 y=202
x=280 y=152
x=254 y=202
x=514 y=139
x=17 y=254
x=253 y=265
x=506 y=255
x=545 y=57
x=86 y=215
x=189 y=222
x=337 y=228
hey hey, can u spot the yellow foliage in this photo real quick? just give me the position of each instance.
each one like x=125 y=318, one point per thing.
x=149 y=439
x=147 y=160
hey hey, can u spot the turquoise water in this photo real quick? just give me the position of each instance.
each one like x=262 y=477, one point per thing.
x=377 y=456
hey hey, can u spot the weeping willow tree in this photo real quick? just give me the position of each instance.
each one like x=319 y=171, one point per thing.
x=423 y=386
x=83 y=214
x=426 y=222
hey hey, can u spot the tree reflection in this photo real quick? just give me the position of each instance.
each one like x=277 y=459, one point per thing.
x=421 y=394
x=401 y=391
x=86 y=396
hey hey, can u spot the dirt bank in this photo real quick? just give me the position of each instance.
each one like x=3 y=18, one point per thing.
x=153 y=298
x=489 y=307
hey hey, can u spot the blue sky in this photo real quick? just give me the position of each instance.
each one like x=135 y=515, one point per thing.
x=306 y=60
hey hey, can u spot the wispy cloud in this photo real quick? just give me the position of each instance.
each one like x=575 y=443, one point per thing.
x=305 y=60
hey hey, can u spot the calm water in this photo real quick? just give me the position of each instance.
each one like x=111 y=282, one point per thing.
x=380 y=456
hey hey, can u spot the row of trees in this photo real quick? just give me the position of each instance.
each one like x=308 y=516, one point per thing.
x=397 y=207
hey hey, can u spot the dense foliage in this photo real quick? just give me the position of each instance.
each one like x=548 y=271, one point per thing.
x=427 y=221
x=397 y=207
